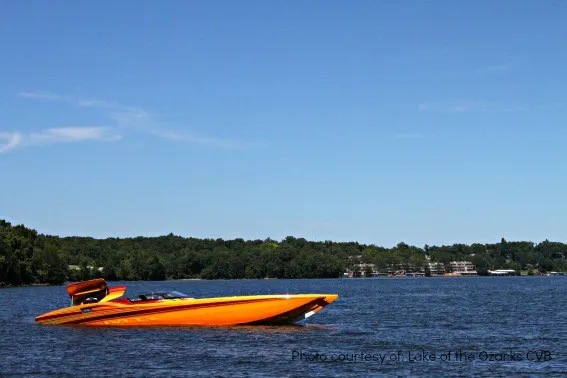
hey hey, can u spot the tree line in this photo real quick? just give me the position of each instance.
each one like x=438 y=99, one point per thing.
x=27 y=257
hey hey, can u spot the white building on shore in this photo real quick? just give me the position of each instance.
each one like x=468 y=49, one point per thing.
x=463 y=268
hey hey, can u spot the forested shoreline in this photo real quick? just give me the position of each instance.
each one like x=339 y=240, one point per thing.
x=28 y=257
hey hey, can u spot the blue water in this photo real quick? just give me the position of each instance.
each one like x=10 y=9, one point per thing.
x=374 y=328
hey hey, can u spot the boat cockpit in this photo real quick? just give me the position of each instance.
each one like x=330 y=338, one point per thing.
x=162 y=295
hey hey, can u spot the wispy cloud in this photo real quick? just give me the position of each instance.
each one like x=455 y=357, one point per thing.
x=75 y=134
x=123 y=117
x=72 y=134
x=41 y=95
x=465 y=106
x=9 y=141
x=95 y=104
x=200 y=139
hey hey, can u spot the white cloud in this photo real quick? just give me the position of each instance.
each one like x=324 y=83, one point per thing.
x=58 y=135
x=130 y=118
x=41 y=95
x=94 y=104
x=11 y=141
x=74 y=134
x=199 y=139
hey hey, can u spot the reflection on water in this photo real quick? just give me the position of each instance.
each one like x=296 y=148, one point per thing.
x=359 y=334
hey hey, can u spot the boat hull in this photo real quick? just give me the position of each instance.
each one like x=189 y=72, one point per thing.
x=222 y=311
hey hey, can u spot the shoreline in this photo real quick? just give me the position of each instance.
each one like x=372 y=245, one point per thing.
x=4 y=286
x=7 y=286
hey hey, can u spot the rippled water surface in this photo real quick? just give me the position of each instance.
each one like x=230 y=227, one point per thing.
x=374 y=328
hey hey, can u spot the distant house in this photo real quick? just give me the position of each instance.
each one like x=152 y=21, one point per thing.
x=463 y=268
x=363 y=270
x=90 y=267
x=436 y=268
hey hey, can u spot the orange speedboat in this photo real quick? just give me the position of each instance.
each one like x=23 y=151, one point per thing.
x=93 y=303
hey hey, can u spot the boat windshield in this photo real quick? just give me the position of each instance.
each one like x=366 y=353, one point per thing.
x=160 y=295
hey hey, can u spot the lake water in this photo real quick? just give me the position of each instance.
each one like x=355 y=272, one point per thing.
x=503 y=326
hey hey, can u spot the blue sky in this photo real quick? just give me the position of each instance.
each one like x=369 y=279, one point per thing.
x=374 y=121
